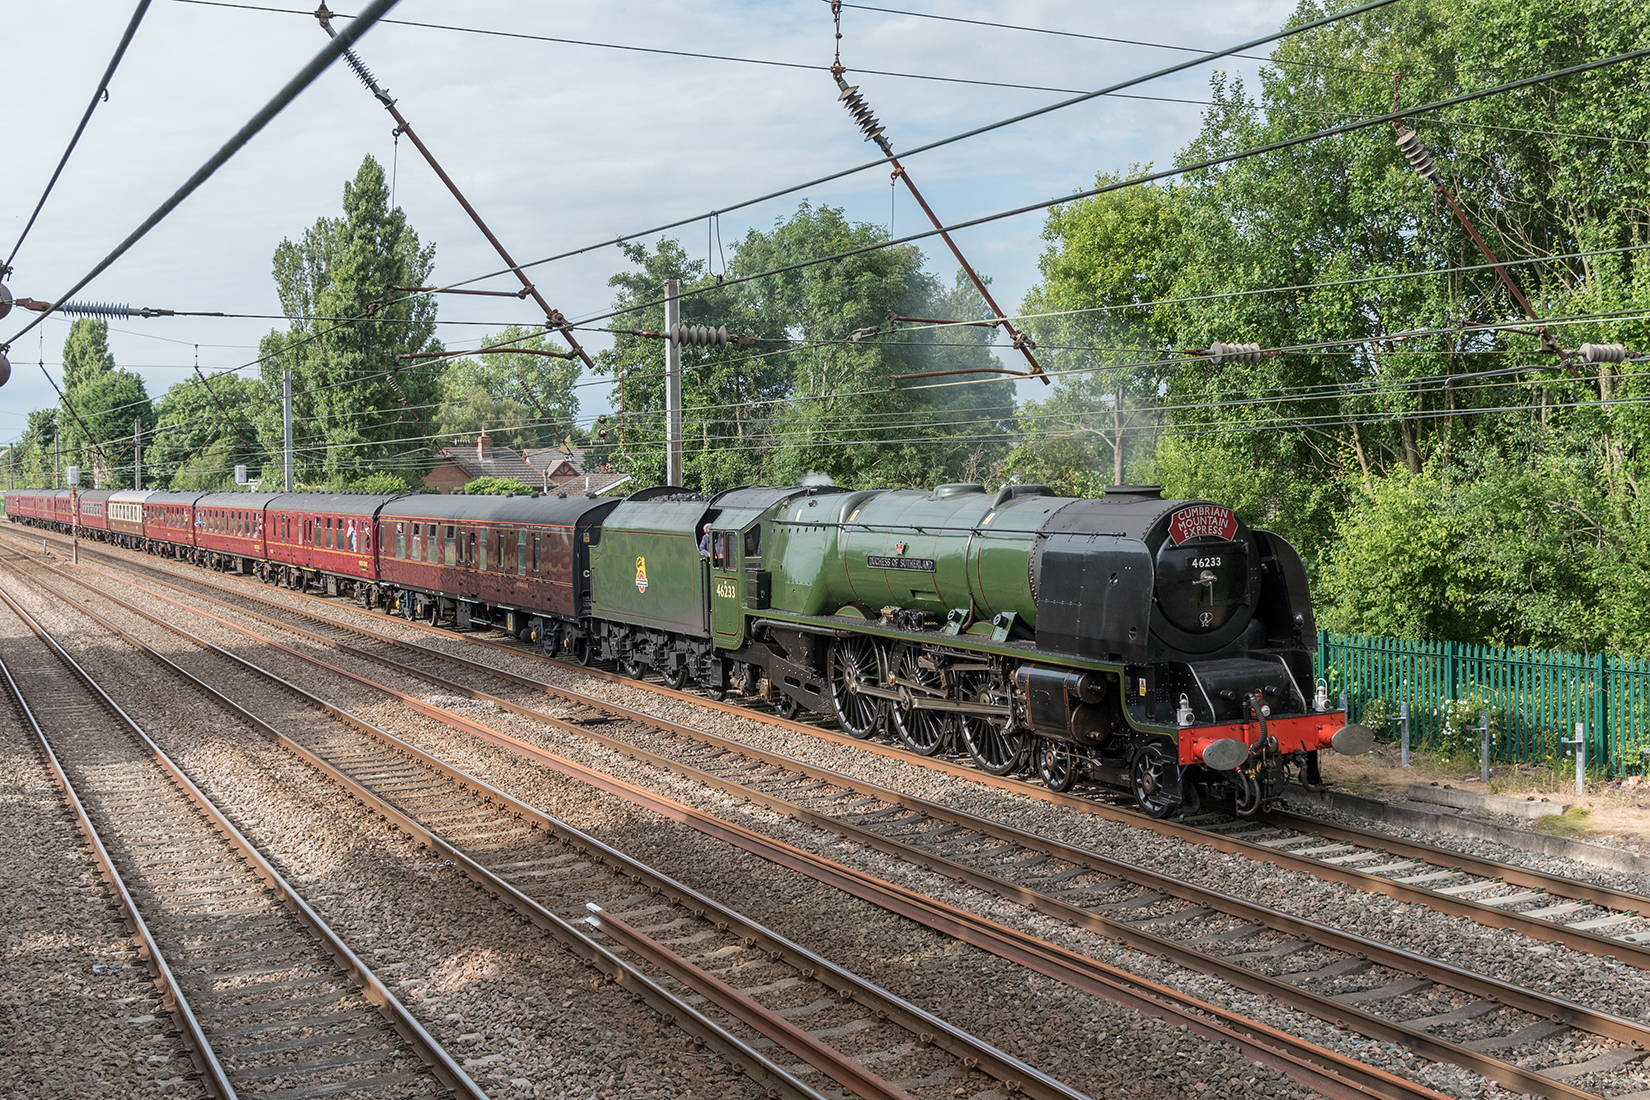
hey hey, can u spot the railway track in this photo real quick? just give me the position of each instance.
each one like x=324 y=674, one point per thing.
x=1443 y=1012
x=267 y=998
x=553 y=874
x=1549 y=908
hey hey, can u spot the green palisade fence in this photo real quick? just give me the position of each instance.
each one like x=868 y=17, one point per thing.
x=1535 y=697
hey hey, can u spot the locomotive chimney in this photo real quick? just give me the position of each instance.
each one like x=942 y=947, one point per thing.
x=484 y=446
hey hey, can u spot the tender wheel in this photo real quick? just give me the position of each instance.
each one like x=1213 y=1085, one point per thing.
x=924 y=732
x=581 y=651
x=1058 y=766
x=1148 y=777
x=674 y=678
x=632 y=668
x=988 y=740
x=854 y=662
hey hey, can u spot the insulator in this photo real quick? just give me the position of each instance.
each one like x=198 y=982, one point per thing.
x=5 y=300
x=362 y=71
x=100 y=309
x=848 y=91
x=5 y=368
x=1234 y=353
x=1419 y=159
x=873 y=133
x=1603 y=353
x=721 y=336
x=601 y=433
x=601 y=419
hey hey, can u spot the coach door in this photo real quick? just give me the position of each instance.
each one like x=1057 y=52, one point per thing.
x=726 y=622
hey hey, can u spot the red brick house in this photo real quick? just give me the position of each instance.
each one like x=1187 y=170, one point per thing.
x=460 y=465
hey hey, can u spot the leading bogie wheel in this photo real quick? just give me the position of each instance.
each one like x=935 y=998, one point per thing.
x=788 y=708
x=854 y=663
x=1149 y=777
x=1057 y=765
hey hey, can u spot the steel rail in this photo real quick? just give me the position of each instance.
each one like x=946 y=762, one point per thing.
x=1482 y=913
x=1472 y=865
x=1487 y=915
x=838 y=1067
x=1332 y=1073
x=967 y=1048
x=1513 y=1076
x=213 y=1076
x=430 y=1052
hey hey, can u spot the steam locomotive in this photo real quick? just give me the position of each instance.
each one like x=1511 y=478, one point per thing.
x=1159 y=647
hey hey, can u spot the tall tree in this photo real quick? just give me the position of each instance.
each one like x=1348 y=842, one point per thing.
x=523 y=401
x=813 y=393
x=356 y=404
x=86 y=353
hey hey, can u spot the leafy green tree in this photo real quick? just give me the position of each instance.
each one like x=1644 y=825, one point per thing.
x=812 y=393
x=356 y=403
x=380 y=482
x=86 y=354
x=522 y=401
x=498 y=486
x=194 y=445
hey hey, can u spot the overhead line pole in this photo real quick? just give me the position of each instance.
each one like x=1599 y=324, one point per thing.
x=553 y=317
x=673 y=383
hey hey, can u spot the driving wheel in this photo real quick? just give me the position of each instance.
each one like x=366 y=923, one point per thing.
x=853 y=663
x=994 y=747
x=924 y=732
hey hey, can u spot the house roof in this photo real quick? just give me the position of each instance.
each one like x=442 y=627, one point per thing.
x=548 y=458
x=598 y=482
x=503 y=462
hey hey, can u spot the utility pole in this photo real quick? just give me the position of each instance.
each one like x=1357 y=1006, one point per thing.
x=673 y=384
x=286 y=422
x=137 y=454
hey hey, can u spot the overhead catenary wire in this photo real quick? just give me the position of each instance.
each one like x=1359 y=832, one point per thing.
x=100 y=95
x=694 y=54
x=986 y=128
x=293 y=88
x=1149 y=177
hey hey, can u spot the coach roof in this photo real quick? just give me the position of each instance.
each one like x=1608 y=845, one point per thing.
x=555 y=511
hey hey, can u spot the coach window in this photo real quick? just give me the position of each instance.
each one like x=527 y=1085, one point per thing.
x=400 y=540
x=478 y=538
x=521 y=552
x=473 y=559
x=535 y=553
x=450 y=551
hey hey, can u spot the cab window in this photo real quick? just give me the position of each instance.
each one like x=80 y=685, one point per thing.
x=721 y=546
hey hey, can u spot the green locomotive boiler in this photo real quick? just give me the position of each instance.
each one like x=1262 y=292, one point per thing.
x=1159 y=646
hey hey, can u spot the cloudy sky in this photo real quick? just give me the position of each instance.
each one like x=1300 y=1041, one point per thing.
x=557 y=144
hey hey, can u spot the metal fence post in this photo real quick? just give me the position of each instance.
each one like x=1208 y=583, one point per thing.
x=1484 y=745
x=1581 y=759
x=1403 y=733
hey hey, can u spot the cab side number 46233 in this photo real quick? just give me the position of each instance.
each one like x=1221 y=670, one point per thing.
x=1205 y=563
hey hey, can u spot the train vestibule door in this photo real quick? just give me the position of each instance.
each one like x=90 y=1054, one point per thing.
x=726 y=622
